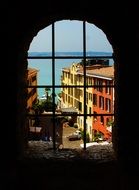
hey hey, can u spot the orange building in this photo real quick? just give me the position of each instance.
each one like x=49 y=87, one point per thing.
x=32 y=92
x=103 y=99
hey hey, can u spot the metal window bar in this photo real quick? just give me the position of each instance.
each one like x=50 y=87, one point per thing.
x=53 y=82
x=84 y=71
x=53 y=86
x=79 y=114
x=69 y=86
x=69 y=57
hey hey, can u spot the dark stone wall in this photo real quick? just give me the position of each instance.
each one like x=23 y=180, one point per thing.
x=24 y=20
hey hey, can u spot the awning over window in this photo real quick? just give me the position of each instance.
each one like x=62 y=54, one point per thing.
x=69 y=110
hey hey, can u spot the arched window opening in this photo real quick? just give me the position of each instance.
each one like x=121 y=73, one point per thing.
x=70 y=101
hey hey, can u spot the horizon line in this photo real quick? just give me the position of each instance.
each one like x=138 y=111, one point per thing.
x=68 y=51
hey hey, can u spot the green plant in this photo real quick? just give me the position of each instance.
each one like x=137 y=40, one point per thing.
x=38 y=107
x=110 y=123
x=47 y=92
x=49 y=106
x=96 y=137
x=87 y=136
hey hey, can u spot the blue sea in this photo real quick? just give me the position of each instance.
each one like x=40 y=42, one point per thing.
x=44 y=66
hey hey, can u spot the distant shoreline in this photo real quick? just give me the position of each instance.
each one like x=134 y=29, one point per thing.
x=88 y=53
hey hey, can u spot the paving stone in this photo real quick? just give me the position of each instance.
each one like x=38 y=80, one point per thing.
x=69 y=150
x=40 y=149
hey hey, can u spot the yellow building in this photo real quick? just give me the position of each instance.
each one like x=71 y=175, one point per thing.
x=74 y=96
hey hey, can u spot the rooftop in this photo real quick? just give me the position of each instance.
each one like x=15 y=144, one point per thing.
x=99 y=70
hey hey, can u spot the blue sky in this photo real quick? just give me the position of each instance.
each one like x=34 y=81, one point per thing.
x=68 y=37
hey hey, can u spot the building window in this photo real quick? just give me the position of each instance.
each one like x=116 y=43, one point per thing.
x=108 y=105
x=108 y=89
x=90 y=111
x=100 y=83
x=80 y=106
x=95 y=116
x=102 y=119
x=95 y=99
x=101 y=102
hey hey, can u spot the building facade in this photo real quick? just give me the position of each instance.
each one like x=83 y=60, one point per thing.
x=99 y=100
x=103 y=100
x=32 y=92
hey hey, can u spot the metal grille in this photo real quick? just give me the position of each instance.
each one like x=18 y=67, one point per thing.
x=53 y=86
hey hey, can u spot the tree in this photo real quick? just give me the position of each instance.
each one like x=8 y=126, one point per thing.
x=48 y=103
x=47 y=93
x=38 y=107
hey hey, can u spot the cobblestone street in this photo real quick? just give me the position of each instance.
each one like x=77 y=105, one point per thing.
x=70 y=144
x=70 y=150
